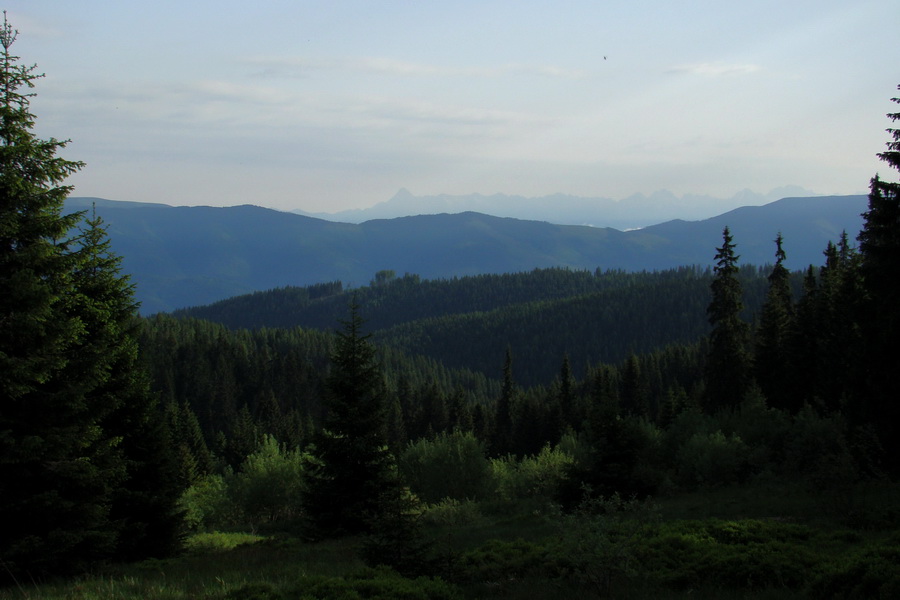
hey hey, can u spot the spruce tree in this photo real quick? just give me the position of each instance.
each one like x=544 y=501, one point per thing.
x=501 y=435
x=56 y=468
x=879 y=247
x=351 y=461
x=144 y=502
x=728 y=361
x=79 y=452
x=772 y=352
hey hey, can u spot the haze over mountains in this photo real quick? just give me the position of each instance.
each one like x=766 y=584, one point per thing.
x=188 y=256
x=632 y=212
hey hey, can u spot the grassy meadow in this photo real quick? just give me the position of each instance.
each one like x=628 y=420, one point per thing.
x=753 y=541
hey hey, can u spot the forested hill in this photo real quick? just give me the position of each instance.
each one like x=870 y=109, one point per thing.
x=469 y=322
x=187 y=256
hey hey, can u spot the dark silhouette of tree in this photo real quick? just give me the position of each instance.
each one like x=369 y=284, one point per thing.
x=84 y=471
x=879 y=247
x=772 y=364
x=728 y=361
x=501 y=437
x=352 y=463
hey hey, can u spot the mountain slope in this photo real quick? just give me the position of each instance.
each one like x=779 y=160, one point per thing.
x=185 y=256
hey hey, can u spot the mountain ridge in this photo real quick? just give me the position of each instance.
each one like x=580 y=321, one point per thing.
x=564 y=209
x=188 y=256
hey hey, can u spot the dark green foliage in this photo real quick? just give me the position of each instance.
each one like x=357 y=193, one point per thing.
x=873 y=572
x=452 y=465
x=772 y=361
x=395 y=537
x=879 y=246
x=352 y=464
x=502 y=435
x=728 y=362
x=85 y=473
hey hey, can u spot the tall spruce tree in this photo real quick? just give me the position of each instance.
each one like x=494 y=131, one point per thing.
x=501 y=436
x=879 y=247
x=352 y=464
x=66 y=360
x=56 y=469
x=728 y=361
x=772 y=352
x=144 y=504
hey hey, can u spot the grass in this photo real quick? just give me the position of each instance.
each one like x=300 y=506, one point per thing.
x=714 y=544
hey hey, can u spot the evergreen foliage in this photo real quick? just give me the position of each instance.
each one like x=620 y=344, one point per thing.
x=727 y=370
x=772 y=363
x=84 y=469
x=879 y=246
x=352 y=463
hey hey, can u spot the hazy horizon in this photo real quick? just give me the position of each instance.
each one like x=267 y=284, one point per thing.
x=326 y=107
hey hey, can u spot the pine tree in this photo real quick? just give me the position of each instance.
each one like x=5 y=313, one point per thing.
x=144 y=504
x=727 y=368
x=80 y=468
x=879 y=247
x=352 y=464
x=501 y=436
x=56 y=468
x=772 y=352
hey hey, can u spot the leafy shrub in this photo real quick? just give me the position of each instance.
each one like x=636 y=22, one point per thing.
x=452 y=512
x=817 y=450
x=599 y=542
x=378 y=583
x=532 y=476
x=872 y=573
x=745 y=554
x=499 y=560
x=452 y=465
x=269 y=483
x=765 y=431
x=207 y=504
x=712 y=459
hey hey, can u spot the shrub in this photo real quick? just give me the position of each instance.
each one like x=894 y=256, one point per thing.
x=452 y=465
x=373 y=583
x=452 y=512
x=269 y=483
x=599 y=542
x=712 y=460
x=532 y=477
x=873 y=573
x=745 y=554
x=207 y=504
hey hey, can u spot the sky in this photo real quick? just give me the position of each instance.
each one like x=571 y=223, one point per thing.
x=327 y=106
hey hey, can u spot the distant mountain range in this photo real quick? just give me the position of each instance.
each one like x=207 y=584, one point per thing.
x=188 y=256
x=629 y=213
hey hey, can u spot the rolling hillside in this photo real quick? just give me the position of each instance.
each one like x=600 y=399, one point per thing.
x=186 y=256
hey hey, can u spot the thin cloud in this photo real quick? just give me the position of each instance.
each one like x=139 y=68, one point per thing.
x=716 y=69
x=299 y=66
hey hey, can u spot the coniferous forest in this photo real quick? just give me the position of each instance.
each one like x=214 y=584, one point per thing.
x=716 y=433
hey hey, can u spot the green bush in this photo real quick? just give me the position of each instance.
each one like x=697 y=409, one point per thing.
x=376 y=584
x=712 y=460
x=745 y=554
x=207 y=504
x=269 y=483
x=873 y=573
x=498 y=560
x=452 y=465
x=599 y=542
x=452 y=512
x=532 y=476
x=817 y=451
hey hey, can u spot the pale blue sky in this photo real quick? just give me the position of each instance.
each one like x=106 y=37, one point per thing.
x=325 y=106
